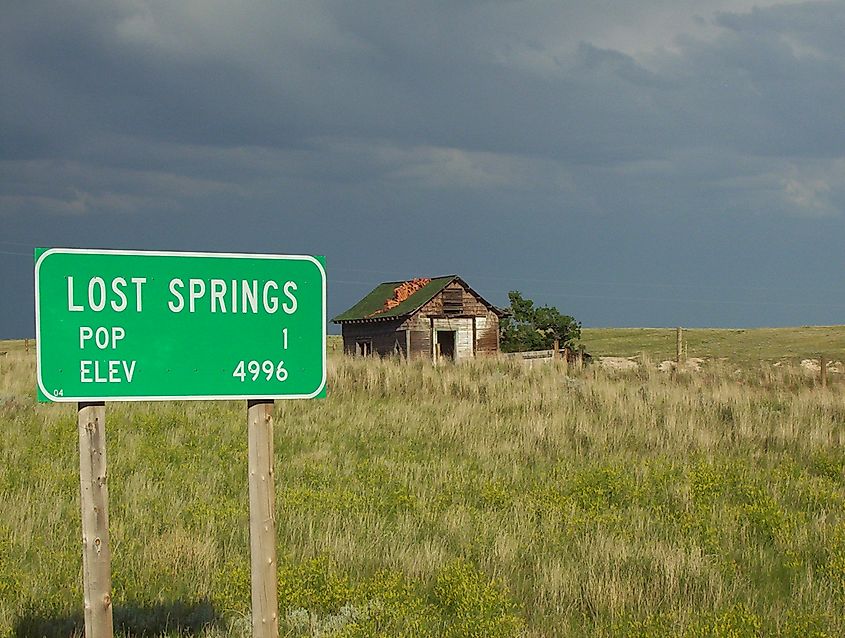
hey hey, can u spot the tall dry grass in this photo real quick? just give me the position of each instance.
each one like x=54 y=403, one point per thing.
x=481 y=499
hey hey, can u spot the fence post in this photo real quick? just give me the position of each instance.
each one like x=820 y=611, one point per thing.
x=679 y=345
x=555 y=352
x=262 y=519
x=94 y=500
x=823 y=371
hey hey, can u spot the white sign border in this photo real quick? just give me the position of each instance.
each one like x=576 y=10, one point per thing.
x=166 y=253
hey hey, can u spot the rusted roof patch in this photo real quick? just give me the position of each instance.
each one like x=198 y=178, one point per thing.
x=402 y=292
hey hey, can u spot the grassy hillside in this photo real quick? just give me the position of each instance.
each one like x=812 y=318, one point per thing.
x=739 y=346
x=488 y=499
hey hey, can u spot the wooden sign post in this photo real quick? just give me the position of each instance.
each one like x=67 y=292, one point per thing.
x=262 y=519
x=96 y=555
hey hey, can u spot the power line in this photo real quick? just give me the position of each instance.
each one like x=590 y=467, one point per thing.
x=714 y=302
x=582 y=282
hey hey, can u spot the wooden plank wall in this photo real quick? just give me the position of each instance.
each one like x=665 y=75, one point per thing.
x=421 y=339
x=472 y=304
x=384 y=335
x=487 y=334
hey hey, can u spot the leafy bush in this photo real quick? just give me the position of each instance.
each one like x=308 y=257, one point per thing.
x=535 y=328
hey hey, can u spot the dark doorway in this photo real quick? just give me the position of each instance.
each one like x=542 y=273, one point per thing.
x=365 y=348
x=446 y=342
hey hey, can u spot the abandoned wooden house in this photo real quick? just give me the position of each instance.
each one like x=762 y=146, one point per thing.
x=434 y=318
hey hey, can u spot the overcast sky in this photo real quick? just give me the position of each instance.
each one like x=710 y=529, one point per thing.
x=635 y=163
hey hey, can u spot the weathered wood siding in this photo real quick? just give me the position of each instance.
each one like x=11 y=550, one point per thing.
x=473 y=306
x=420 y=338
x=487 y=334
x=385 y=335
x=420 y=328
x=476 y=329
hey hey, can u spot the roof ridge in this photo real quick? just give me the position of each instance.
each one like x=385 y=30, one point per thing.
x=402 y=281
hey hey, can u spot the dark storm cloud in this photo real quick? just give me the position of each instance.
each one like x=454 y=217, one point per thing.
x=337 y=127
x=434 y=77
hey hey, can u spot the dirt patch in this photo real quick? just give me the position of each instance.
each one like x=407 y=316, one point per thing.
x=619 y=363
x=693 y=364
x=813 y=366
x=810 y=365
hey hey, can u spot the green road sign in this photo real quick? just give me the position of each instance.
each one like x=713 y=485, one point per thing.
x=121 y=325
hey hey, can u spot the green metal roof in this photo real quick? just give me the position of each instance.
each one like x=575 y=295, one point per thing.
x=367 y=307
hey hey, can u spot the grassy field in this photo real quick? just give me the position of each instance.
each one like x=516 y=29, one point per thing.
x=487 y=499
x=740 y=346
